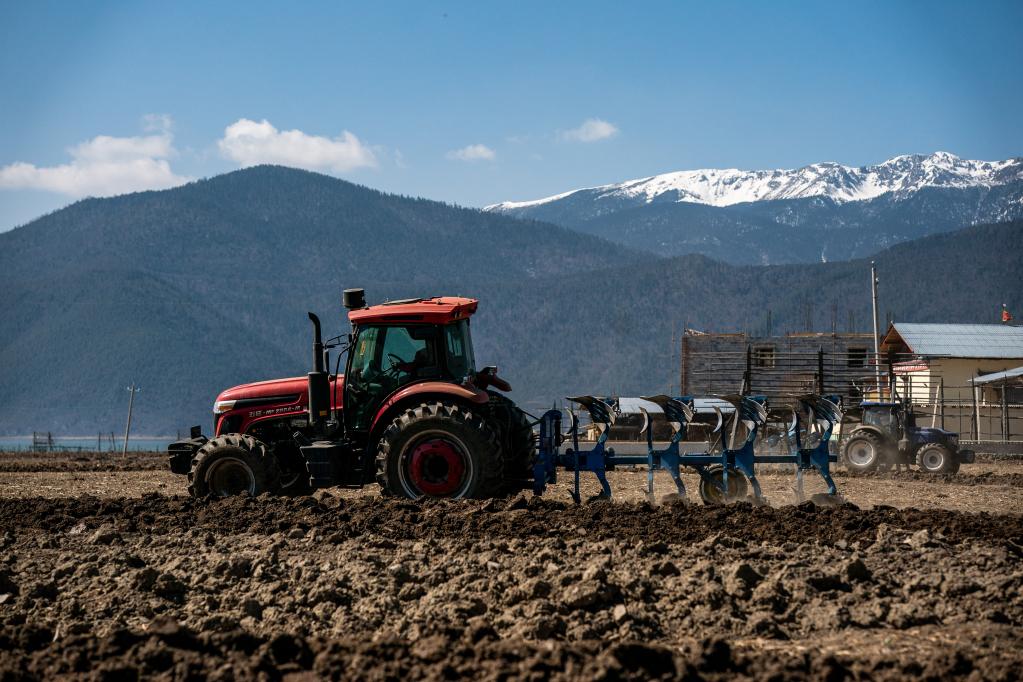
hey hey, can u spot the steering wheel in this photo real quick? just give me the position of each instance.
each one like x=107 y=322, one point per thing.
x=395 y=367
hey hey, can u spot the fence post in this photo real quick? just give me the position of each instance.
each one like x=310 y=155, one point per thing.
x=941 y=400
x=683 y=381
x=820 y=370
x=976 y=416
x=1005 y=415
x=747 y=378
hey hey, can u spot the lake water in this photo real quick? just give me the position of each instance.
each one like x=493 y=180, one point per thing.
x=144 y=443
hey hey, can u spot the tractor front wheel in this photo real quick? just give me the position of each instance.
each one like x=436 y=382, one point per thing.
x=441 y=450
x=233 y=465
x=936 y=459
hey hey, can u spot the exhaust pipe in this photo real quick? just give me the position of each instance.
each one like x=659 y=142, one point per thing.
x=319 y=383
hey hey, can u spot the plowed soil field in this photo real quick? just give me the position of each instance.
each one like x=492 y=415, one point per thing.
x=911 y=577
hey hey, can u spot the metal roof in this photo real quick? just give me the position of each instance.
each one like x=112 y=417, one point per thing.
x=960 y=340
x=999 y=376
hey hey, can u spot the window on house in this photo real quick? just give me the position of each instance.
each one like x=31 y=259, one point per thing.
x=763 y=356
x=857 y=357
x=1013 y=395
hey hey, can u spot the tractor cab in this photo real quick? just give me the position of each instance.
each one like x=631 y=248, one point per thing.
x=885 y=417
x=392 y=348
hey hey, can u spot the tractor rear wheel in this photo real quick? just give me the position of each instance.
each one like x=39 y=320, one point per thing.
x=518 y=446
x=712 y=485
x=439 y=449
x=233 y=465
x=936 y=459
x=863 y=452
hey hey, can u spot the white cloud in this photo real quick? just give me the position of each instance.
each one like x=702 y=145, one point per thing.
x=591 y=130
x=105 y=166
x=250 y=143
x=473 y=152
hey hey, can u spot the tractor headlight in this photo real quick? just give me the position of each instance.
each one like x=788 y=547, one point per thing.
x=222 y=406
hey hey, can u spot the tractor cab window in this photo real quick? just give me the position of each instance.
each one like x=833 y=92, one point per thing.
x=384 y=359
x=365 y=360
x=458 y=345
x=882 y=418
x=394 y=355
x=410 y=353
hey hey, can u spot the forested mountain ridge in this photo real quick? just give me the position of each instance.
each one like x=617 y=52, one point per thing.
x=287 y=220
x=613 y=329
x=195 y=289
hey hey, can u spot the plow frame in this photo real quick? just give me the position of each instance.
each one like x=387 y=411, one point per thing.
x=811 y=414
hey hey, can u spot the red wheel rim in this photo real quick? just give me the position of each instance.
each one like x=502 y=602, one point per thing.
x=436 y=467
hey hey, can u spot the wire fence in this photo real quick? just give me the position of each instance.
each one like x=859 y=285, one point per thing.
x=44 y=441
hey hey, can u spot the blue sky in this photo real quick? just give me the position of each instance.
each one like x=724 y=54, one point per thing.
x=475 y=102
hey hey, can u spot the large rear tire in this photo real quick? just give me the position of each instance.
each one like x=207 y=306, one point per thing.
x=233 y=464
x=442 y=450
x=863 y=452
x=518 y=447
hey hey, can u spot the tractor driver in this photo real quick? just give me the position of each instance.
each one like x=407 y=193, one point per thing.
x=392 y=356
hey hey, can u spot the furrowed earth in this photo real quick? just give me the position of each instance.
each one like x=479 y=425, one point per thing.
x=110 y=572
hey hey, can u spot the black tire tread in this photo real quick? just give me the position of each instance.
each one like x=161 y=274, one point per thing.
x=517 y=442
x=460 y=418
x=950 y=465
x=264 y=464
x=878 y=449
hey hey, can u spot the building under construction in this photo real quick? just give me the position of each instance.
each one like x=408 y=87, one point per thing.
x=716 y=364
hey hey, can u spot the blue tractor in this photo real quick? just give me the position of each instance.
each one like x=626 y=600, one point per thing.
x=887 y=436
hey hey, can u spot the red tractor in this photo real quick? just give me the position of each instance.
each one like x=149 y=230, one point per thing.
x=411 y=411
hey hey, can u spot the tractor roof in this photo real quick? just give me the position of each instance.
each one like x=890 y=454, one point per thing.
x=436 y=310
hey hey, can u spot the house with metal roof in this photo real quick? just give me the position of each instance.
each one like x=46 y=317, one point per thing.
x=973 y=341
x=948 y=369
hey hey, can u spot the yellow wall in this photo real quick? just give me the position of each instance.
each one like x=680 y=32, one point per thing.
x=924 y=386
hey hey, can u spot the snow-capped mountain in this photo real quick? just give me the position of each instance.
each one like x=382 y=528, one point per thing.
x=901 y=175
x=825 y=211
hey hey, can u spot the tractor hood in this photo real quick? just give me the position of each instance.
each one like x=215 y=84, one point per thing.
x=932 y=435
x=288 y=390
x=266 y=389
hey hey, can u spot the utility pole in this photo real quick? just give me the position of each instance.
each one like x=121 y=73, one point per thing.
x=133 y=389
x=671 y=360
x=877 y=337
